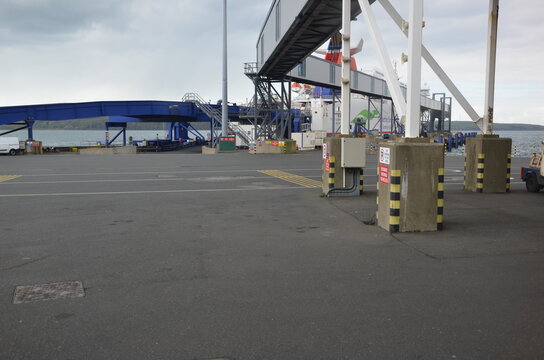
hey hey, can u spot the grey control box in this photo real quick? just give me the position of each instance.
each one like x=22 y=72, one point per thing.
x=353 y=153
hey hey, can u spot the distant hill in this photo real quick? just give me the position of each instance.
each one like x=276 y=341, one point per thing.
x=97 y=123
x=470 y=126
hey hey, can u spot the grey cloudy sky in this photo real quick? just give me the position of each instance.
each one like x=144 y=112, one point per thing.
x=80 y=50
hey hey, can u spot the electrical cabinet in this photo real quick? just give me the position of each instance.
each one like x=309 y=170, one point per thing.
x=353 y=153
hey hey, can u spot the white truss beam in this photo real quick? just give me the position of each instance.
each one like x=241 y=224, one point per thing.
x=413 y=98
x=446 y=80
x=390 y=76
x=490 y=66
x=346 y=66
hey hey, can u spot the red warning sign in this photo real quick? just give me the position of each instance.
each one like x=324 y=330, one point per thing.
x=384 y=174
x=327 y=165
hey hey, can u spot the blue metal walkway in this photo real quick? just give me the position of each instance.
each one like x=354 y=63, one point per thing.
x=146 y=111
x=179 y=114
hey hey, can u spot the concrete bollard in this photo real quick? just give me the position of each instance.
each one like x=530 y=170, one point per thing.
x=410 y=185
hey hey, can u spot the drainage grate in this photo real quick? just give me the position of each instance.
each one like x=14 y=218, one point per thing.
x=52 y=291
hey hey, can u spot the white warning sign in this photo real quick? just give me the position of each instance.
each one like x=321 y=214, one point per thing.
x=385 y=155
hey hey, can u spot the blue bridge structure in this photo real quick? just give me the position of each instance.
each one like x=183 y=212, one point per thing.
x=178 y=114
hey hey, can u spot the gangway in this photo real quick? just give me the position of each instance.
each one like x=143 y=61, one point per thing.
x=180 y=113
x=295 y=28
x=291 y=32
x=319 y=72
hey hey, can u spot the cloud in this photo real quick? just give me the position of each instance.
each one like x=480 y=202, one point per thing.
x=456 y=33
x=37 y=22
x=77 y=50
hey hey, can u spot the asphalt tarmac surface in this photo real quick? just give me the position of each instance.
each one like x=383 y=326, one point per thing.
x=188 y=256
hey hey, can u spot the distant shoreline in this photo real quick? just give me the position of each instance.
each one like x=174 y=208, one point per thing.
x=470 y=126
x=98 y=124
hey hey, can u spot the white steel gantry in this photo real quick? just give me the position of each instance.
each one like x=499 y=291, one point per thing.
x=446 y=80
x=390 y=75
x=346 y=66
x=490 y=66
x=415 y=38
x=418 y=50
x=290 y=35
x=408 y=110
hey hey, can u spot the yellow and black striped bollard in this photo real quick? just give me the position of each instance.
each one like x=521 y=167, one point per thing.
x=332 y=172
x=480 y=174
x=508 y=171
x=394 y=202
x=377 y=192
x=465 y=172
x=440 y=201
x=361 y=181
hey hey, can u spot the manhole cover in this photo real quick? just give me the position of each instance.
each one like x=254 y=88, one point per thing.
x=52 y=291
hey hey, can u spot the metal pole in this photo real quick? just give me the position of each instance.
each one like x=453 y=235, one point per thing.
x=269 y=115
x=443 y=110
x=368 y=106
x=392 y=121
x=415 y=36
x=490 y=66
x=449 y=113
x=282 y=118
x=290 y=115
x=225 y=107
x=381 y=114
x=346 y=66
x=255 y=102
x=333 y=111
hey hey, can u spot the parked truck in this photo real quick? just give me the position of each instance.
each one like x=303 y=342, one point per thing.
x=533 y=175
x=9 y=145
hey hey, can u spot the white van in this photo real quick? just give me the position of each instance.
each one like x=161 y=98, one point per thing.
x=9 y=145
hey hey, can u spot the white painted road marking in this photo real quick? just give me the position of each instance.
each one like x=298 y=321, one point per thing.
x=155 y=191
x=160 y=172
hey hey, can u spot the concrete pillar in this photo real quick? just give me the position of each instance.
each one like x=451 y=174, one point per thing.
x=410 y=185
x=487 y=164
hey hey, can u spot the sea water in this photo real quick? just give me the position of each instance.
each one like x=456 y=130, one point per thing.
x=524 y=143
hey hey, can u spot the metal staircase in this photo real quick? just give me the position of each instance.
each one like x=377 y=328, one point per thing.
x=269 y=109
x=215 y=115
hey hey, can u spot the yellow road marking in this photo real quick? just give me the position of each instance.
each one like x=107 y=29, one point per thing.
x=8 y=177
x=292 y=178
